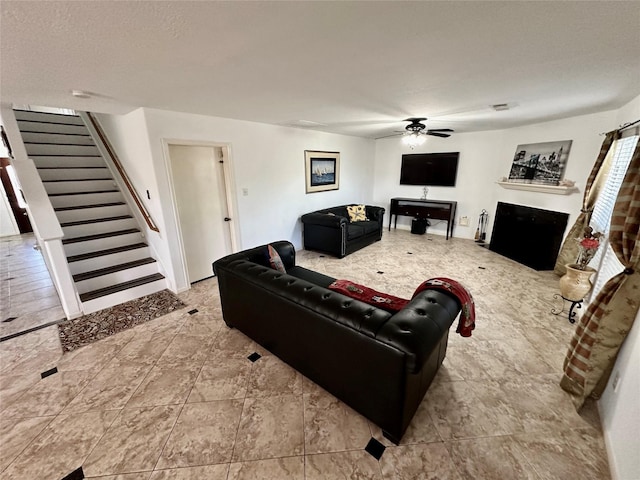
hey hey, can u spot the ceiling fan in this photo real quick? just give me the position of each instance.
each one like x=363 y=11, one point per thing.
x=415 y=134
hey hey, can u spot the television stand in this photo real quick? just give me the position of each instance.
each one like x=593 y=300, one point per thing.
x=425 y=209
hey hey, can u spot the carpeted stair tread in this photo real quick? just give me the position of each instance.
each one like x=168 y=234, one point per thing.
x=94 y=220
x=108 y=251
x=112 y=269
x=94 y=205
x=98 y=236
x=85 y=297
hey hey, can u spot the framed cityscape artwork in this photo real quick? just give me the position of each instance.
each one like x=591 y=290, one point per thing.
x=540 y=163
x=322 y=171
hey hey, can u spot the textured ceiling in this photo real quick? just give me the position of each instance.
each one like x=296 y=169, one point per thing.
x=358 y=68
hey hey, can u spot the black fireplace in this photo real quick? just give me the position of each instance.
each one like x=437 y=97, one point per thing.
x=530 y=236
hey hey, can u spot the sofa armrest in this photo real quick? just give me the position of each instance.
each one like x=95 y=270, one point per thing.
x=259 y=255
x=324 y=219
x=418 y=328
x=375 y=213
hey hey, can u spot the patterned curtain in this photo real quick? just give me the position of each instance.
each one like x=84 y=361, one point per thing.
x=569 y=250
x=606 y=322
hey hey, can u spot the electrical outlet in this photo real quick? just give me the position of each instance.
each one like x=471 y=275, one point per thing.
x=245 y=192
x=616 y=381
x=464 y=221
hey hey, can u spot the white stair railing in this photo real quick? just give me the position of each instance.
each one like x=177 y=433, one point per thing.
x=46 y=226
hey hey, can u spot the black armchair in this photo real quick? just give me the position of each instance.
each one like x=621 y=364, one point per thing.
x=330 y=230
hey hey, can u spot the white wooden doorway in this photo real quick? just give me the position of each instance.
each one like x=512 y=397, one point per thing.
x=202 y=205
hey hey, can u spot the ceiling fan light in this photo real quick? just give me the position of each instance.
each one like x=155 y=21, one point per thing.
x=413 y=140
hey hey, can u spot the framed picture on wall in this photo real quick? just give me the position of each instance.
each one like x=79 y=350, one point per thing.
x=540 y=163
x=322 y=171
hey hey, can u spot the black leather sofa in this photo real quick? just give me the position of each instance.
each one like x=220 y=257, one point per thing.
x=329 y=230
x=378 y=363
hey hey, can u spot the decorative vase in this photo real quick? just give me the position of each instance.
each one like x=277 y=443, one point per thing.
x=576 y=283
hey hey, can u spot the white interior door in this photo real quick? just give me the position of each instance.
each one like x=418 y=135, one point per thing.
x=198 y=182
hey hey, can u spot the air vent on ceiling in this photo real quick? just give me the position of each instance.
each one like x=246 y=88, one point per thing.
x=501 y=107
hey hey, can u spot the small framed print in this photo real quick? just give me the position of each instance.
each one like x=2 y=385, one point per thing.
x=322 y=171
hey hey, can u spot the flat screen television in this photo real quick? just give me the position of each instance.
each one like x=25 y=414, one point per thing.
x=429 y=169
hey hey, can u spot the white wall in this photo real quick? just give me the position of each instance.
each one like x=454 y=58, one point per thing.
x=267 y=160
x=620 y=410
x=8 y=224
x=485 y=157
x=129 y=137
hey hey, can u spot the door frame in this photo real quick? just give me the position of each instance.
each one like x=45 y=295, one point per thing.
x=229 y=194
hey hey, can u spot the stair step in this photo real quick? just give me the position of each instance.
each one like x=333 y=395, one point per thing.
x=112 y=269
x=80 y=187
x=94 y=220
x=76 y=180
x=111 y=190
x=45 y=127
x=88 y=198
x=42 y=138
x=94 y=212
x=84 y=227
x=102 y=241
x=48 y=149
x=61 y=161
x=96 y=205
x=85 y=297
x=62 y=174
x=108 y=251
x=44 y=117
x=98 y=236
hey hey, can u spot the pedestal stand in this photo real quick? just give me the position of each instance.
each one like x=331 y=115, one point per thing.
x=574 y=304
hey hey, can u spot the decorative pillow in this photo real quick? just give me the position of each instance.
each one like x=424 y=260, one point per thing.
x=368 y=295
x=274 y=259
x=357 y=213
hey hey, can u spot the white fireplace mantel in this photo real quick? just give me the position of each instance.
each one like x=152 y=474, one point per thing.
x=532 y=187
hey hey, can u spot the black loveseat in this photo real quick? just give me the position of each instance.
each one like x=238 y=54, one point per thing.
x=380 y=364
x=329 y=230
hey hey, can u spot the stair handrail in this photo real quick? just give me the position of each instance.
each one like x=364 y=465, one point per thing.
x=123 y=174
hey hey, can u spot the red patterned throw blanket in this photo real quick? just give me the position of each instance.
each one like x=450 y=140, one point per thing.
x=393 y=304
x=467 y=320
x=369 y=295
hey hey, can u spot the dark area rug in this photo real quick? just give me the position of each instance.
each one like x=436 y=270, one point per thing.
x=90 y=328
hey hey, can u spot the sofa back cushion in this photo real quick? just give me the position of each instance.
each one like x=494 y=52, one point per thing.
x=339 y=211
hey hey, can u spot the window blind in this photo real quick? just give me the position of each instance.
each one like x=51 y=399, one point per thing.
x=605 y=261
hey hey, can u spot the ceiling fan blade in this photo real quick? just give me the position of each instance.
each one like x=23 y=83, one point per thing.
x=440 y=130
x=392 y=135
x=438 y=134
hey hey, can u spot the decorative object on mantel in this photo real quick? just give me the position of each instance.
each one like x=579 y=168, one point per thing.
x=576 y=283
x=322 y=171
x=540 y=163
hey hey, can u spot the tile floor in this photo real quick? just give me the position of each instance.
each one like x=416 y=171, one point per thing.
x=29 y=298
x=176 y=398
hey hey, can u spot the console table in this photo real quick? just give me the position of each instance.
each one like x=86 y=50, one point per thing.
x=430 y=209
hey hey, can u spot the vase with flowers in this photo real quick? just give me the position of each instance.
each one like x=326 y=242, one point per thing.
x=576 y=283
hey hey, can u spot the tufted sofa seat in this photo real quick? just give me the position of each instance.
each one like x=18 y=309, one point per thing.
x=380 y=364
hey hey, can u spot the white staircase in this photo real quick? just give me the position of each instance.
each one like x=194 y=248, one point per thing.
x=108 y=257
